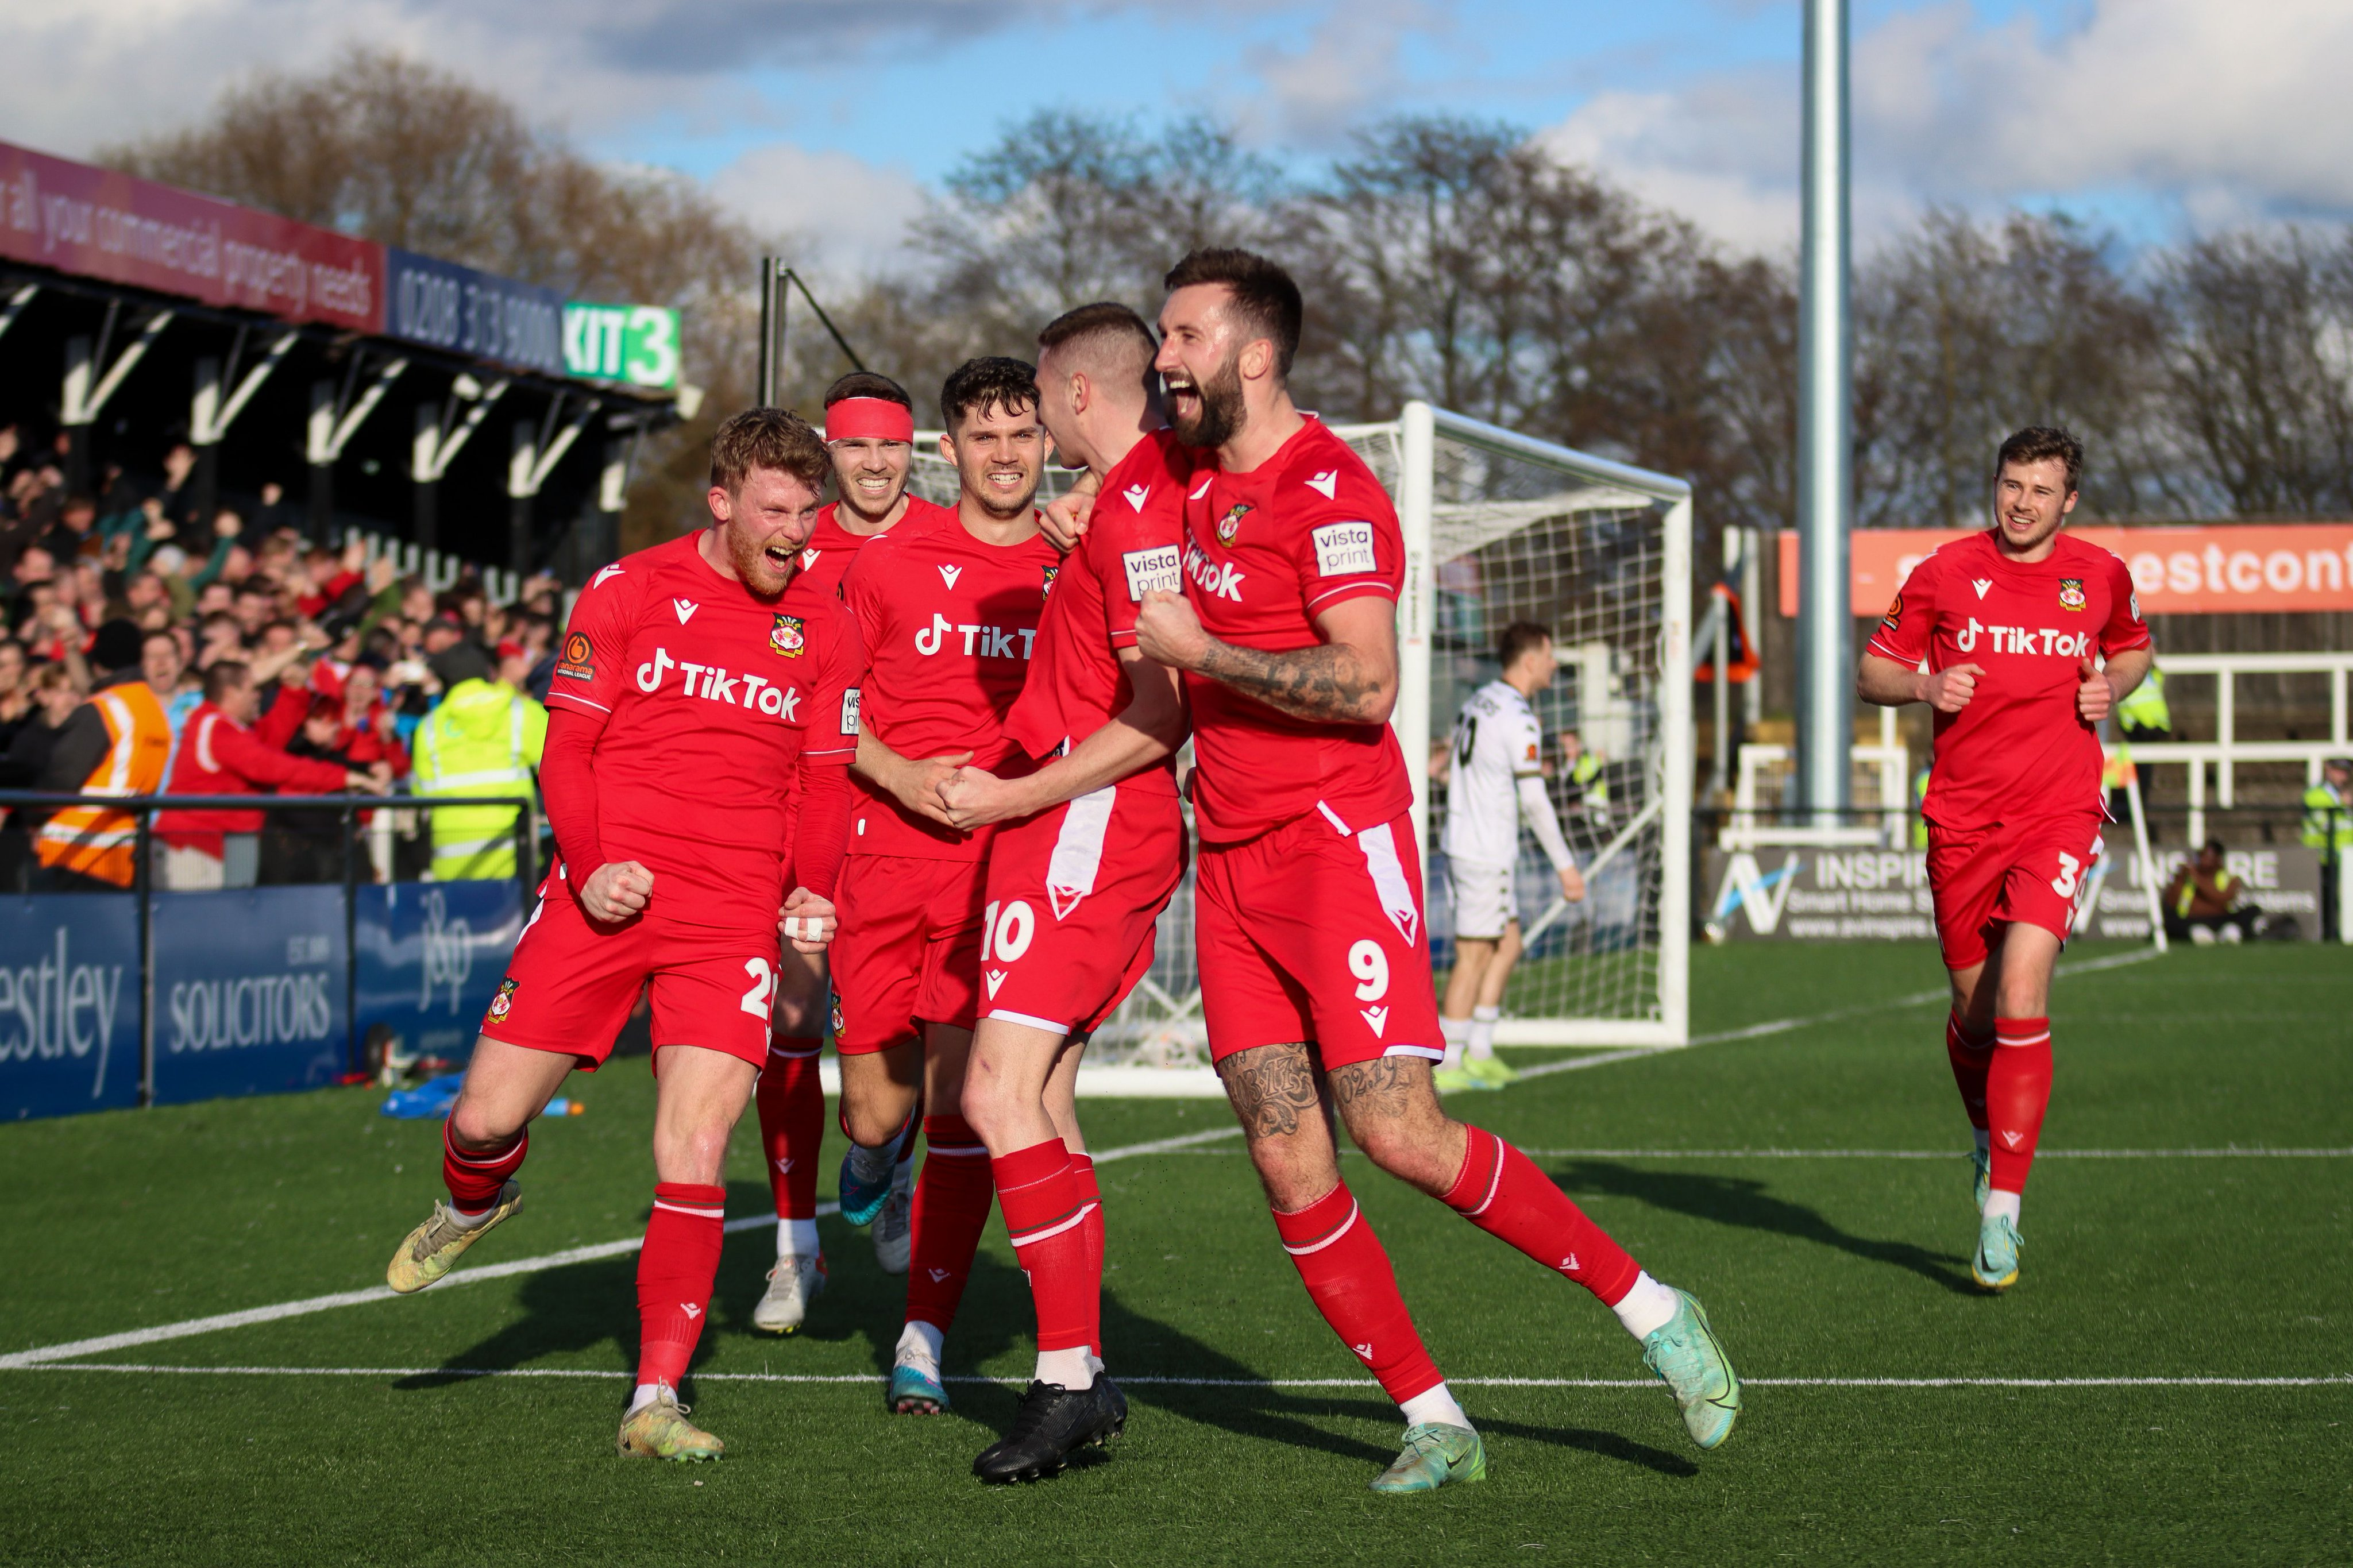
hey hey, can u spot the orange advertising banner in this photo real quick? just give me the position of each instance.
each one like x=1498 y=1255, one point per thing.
x=2210 y=569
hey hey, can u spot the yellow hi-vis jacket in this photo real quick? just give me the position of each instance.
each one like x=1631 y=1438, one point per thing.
x=483 y=739
x=91 y=839
x=2144 y=707
x=2317 y=800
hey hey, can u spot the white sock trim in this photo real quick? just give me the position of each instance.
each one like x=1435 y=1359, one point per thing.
x=1070 y=1369
x=1483 y=1032
x=643 y=1396
x=919 y=1347
x=1434 y=1405
x=797 y=1235
x=2001 y=1203
x=1648 y=1307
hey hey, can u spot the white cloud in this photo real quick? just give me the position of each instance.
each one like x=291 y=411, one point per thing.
x=2226 y=114
x=849 y=216
x=1349 y=65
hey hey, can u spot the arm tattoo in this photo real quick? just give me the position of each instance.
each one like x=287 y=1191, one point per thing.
x=1385 y=1088
x=1330 y=682
x=1269 y=1087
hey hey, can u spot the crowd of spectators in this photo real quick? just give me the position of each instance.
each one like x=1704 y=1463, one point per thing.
x=320 y=661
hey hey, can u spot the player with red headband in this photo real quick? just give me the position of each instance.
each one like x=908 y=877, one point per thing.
x=1092 y=848
x=947 y=611
x=1308 y=915
x=2008 y=621
x=693 y=684
x=869 y=433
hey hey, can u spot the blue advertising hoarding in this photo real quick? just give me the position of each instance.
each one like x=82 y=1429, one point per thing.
x=446 y=306
x=68 y=1003
x=249 y=992
x=431 y=957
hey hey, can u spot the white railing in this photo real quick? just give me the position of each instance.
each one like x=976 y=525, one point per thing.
x=438 y=570
x=2226 y=750
x=1887 y=764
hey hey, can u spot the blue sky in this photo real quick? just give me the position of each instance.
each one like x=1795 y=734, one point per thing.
x=2158 y=117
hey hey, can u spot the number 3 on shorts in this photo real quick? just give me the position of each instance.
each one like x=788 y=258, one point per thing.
x=2064 y=884
x=764 y=987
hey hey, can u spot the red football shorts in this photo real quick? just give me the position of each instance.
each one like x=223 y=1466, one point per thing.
x=1310 y=932
x=2034 y=871
x=571 y=982
x=1073 y=894
x=906 y=950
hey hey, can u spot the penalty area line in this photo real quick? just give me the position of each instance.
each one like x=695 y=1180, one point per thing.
x=592 y=1374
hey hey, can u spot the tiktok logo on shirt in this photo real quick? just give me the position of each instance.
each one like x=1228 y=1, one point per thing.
x=979 y=641
x=2053 y=643
x=713 y=684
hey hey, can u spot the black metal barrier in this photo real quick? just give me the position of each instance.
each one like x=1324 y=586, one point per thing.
x=153 y=994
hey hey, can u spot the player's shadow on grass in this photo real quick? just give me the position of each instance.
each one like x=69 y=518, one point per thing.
x=1747 y=1202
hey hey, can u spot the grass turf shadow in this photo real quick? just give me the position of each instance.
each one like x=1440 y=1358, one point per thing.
x=1747 y=1202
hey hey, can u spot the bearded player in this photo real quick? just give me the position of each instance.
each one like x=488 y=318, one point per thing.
x=947 y=609
x=683 y=703
x=1308 y=914
x=2008 y=621
x=1091 y=849
x=869 y=433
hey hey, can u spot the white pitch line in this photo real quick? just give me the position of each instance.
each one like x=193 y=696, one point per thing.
x=2323 y=1381
x=308 y=1305
x=2254 y=1153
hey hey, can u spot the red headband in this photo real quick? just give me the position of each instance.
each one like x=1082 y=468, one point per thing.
x=870 y=418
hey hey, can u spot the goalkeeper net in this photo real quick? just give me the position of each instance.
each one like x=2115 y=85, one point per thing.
x=1500 y=527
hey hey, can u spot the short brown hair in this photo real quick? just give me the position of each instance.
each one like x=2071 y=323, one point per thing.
x=1262 y=291
x=225 y=677
x=867 y=383
x=1517 y=639
x=1106 y=335
x=2039 y=443
x=992 y=381
x=775 y=439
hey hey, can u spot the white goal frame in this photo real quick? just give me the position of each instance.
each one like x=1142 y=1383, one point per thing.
x=1171 y=1019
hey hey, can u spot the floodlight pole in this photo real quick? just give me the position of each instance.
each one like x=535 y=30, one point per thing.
x=772 y=329
x=1825 y=443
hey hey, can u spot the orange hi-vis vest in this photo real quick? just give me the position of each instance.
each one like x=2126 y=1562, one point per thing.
x=91 y=839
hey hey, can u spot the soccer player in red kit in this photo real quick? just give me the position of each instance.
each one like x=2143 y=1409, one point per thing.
x=1091 y=849
x=947 y=611
x=687 y=694
x=869 y=433
x=2009 y=621
x=1308 y=902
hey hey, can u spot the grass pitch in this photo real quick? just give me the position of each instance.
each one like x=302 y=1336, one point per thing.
x=1763 y=1173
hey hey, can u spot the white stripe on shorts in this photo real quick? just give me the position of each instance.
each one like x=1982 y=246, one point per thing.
x=1027 y=1020
x=1078 y=850
x=1431 y=1053
x=1379 y=845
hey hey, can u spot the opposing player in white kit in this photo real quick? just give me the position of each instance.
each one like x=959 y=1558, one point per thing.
x=1495 y=780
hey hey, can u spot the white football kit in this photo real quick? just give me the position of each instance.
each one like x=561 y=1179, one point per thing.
x=1496 y=779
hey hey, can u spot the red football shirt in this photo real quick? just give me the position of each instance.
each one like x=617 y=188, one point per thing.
x=948 y=624
x=708 y=695
x=831 y=548
x=1133 y=545
x=2018 y=749
x=1265 y=551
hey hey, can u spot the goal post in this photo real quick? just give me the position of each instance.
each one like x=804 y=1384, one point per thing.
x=1599 y=553
x=1498 y=527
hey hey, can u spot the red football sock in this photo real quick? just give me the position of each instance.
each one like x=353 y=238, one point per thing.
x=1500 y=1191
x=1082 y=1170
x=474 y=1178
x=1970 y=1059
x=2017 y=1091
x=952 y=1193
x=1348 y=1277
x=792 y=1125
x=675 y=1270
x=1045 y=1217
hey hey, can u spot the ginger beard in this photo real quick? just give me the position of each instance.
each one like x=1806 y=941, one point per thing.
x=762 y=525
x=1000 y=456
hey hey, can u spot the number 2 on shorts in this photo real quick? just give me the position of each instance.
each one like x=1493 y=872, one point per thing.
x=764 y=987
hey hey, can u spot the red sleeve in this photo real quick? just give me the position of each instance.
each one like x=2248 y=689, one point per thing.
x=2126 y=630
x=243 y=753
x=588 y=677
x=822 y=833
x=285 y=717
x=1903 y=635
x=567 y=778
x=1350 y=546
x=830 y=738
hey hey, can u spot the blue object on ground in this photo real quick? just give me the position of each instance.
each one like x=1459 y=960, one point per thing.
x=428 y=1101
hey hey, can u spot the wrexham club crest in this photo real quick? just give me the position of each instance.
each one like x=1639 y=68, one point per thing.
x=1231 y=523
x=1048 y=586
x=787 y=637
x=504 y=1003
x=2071 y=593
